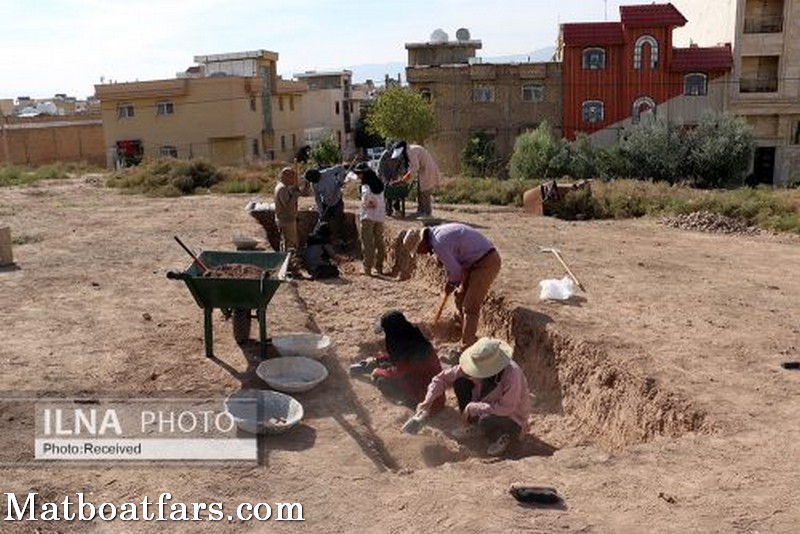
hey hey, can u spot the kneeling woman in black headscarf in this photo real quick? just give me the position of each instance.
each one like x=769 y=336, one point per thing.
x=409 y=363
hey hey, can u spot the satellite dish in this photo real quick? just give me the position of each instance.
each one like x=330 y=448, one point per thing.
x=439 y=36
x=462 y=34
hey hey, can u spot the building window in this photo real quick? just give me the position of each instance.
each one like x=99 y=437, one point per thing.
x=483 y=93
x=168 y=151
x=283 y=142
x=641 y=106
x=337 y=107
x=695 y=84
x=425 y=93
x=594 y=58
x=124 y=111
x=280 y=103
x=252 y=103
x=165 y=107
x=255 y=148
x=638 y=51
x=294 y=141
x=533 y=92
x=291 y=103
x=592 y=111
x=797 y=133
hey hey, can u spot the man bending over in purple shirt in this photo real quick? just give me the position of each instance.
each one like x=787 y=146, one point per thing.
x=470 y=262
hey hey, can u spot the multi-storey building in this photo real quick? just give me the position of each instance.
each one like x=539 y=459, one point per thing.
x=764 y=86
x=501 y=99
x=767 y=92
x=331 y=108
x=230 y=108
x=616 y=72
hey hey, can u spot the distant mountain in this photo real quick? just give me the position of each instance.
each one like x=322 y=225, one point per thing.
x=543 y=54
x=377 y=71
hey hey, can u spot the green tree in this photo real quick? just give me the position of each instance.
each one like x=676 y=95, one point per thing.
x=535 y=154
x=365 y=139
x=326 y=151
x=479 y=156
x=584 y=158
x=401 y=114
x=721 y=148
x=657 y=150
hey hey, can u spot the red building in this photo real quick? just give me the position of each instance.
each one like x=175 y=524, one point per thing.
x=613 y=72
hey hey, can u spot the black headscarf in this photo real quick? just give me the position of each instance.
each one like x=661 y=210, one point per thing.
x=369 y=178
x=404 y=155
x=404 y=341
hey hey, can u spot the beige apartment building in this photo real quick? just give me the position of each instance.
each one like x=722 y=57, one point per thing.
x=230 y=108
x=330 y=108
x=766 y=80
x=502 y=99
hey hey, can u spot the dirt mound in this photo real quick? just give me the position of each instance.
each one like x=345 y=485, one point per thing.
x=706 y=221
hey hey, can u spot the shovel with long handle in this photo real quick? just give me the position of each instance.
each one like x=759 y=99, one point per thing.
x=441 y=308
x=202 y=265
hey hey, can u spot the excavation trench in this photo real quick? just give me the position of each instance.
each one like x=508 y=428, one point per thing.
x=582 y=395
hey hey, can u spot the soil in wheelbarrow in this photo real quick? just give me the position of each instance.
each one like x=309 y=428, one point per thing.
x=235 y=270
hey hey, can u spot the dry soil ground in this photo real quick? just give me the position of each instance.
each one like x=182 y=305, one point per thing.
x=660 y=403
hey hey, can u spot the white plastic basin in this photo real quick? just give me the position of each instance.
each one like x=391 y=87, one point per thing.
x=308 y=345
x=293 y=374
x=264 y=412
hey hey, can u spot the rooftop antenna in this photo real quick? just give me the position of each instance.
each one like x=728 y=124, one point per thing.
x=605 y=10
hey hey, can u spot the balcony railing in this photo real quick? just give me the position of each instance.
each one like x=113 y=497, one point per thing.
x=758 y=85
x=764 y=24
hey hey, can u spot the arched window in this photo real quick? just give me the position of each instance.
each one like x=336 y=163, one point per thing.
x=592 y=111
x=594 y=58
x=425 y=93
x=695 y=84
x=638 y=51
x=642 y=105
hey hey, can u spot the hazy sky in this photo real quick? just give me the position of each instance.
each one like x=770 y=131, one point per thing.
x=66 y=46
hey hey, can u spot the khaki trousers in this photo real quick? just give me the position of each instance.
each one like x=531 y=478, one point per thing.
x=288 y=235
x=372 y=244
x=469 y=297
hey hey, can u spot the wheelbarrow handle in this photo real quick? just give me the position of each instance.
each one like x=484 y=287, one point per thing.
x=175 y=275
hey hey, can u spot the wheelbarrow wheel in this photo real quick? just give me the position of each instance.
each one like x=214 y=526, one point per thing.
x=241 y=325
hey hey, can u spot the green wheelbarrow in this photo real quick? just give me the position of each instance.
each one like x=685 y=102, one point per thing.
x=236 y=296
x=396 y=193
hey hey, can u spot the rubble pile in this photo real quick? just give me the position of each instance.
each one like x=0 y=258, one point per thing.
x=706 y=221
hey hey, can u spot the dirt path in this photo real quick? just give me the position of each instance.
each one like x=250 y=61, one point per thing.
x=660 y=403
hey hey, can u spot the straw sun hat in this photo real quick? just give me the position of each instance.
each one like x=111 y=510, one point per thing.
x=486 y=357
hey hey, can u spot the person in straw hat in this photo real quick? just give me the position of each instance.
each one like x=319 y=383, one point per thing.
x=471 y=263
x=492 y=394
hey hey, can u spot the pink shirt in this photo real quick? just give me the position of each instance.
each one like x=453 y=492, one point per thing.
x=509 y=399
